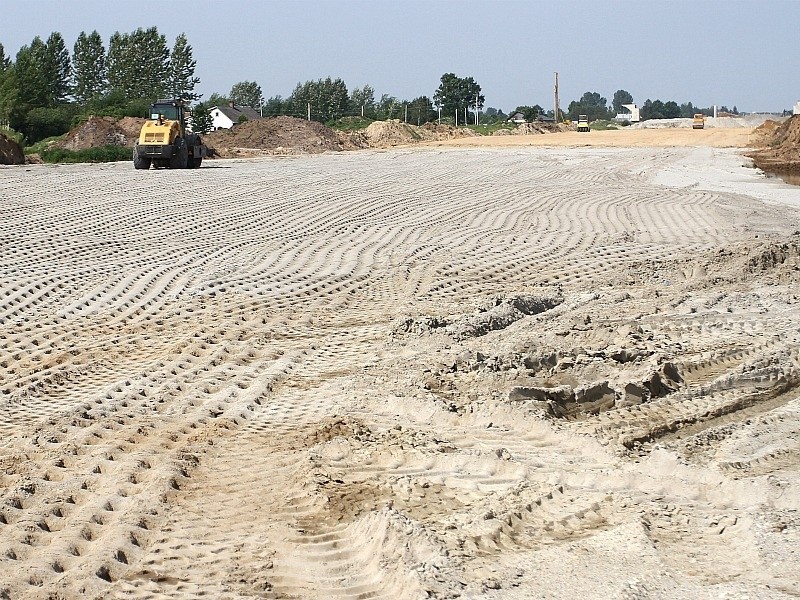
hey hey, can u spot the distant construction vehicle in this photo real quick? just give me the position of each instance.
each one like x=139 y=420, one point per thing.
x=165 y=141
x=583 y=123
x=698 y=121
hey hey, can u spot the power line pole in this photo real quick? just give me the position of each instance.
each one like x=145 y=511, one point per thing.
x=556 y=99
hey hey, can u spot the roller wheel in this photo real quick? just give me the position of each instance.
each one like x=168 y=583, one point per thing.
x=181 y=158
x=140 y=162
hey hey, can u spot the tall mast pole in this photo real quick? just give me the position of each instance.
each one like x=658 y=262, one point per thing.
x=555 y=111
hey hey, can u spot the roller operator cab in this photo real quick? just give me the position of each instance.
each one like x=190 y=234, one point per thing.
x=583 y=123
x=165 y=140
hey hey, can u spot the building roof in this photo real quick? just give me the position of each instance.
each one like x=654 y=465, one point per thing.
x=233 y=112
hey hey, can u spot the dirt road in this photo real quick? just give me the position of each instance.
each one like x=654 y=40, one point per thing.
x=621 y=138
x=481 y=373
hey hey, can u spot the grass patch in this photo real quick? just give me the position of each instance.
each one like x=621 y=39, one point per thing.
x=491 y=128
x=43 y=145
x=603 y=125
x=350 y=123
x=99 y=154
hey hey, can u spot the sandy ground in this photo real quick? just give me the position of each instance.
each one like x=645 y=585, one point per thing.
x=619 y=138
x=449 y=372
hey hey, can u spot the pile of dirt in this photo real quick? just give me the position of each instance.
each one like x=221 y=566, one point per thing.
x=277 y=135
x=447 y=132
x=780 y=143
x=381 y=134
x=103 y=131
x=539 y=128
x=10 y=151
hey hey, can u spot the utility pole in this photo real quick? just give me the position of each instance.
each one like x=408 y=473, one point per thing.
x=309 y=111
x=476 y=109
x=555 y=113
x=405 y=119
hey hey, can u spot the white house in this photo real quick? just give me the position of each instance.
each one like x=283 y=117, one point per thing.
x=796 y=110
x=225 y=117
x=517 y=118
x=631 y=116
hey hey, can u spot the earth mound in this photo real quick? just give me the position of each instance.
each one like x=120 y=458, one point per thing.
x=538 y=128
x=103 y=131
x=381 y=134
x=277 y=135
x=10 y=151
x=781 y=146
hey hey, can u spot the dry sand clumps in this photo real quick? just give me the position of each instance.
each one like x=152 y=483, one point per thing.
x=530 y=373
x=10 y=151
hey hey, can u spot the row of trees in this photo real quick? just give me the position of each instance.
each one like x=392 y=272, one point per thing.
x=44 y=89
x=596 y=107
x=329 y=99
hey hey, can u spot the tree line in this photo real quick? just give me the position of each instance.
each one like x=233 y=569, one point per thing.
x=326 y=100
x=596 y=107
x=45 y=90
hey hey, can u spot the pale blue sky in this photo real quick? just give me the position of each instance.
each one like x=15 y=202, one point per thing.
x=740 y=52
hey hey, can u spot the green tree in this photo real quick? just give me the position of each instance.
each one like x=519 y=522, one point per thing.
x=328 y=98
x=687 y=110
x=591 y=104
x=362 y=101
x=654 y=109
x=31 y=77
x=6 y=75
x=671 y=110
x=88 y=68
x=387 y=108
x=420 y=110
x=57 y=69
x=116 y=67
x=275 y=106
x=181 y=71
x=495 y=115
x=455 y=94
x=531 y=113
x=247 y=93
x=217 y=99
x=138 y=64
x=5 y=61
x=9 y=92
x=201 y=118
x=620 y=97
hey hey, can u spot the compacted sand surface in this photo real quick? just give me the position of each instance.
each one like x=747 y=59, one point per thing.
x=448 y=372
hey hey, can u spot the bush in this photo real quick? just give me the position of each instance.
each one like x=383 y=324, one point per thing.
x=41 y=123
x=99 y=154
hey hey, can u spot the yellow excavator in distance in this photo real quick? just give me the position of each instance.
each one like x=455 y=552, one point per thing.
x=165 y=141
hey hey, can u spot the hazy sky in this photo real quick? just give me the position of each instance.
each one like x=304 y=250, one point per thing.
x=738 y=52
